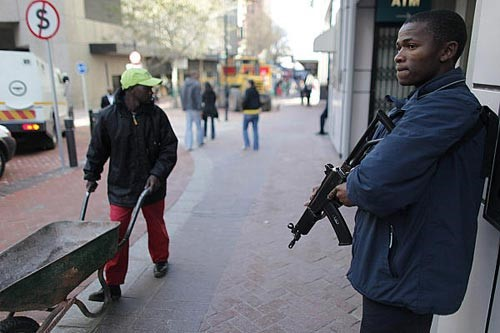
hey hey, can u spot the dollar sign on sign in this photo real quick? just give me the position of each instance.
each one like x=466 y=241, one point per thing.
x=44 y=23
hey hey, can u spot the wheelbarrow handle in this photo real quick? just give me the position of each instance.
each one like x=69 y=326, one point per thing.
x=135 y=212
x=84 y=205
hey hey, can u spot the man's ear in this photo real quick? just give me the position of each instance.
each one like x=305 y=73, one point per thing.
x=449 y=51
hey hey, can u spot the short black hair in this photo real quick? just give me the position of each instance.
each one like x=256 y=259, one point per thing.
x=445 y=26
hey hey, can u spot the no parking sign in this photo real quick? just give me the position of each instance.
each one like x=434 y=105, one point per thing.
x=42 y=19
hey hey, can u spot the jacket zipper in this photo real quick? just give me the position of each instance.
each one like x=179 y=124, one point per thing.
x=135 y=119
x=391 y=249
x=391 y=235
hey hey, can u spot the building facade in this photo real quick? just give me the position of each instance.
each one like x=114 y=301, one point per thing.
x=90 y=32
x=361 y=45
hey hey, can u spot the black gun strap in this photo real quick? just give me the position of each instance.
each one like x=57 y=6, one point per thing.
x=489 y=120
x=491 y=146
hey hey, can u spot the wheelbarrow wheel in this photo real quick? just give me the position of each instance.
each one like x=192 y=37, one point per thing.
x=18 y=325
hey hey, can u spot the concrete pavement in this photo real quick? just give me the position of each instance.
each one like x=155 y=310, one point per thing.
x=230 y=266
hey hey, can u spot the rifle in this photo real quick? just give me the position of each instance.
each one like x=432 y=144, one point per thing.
x=320 y=206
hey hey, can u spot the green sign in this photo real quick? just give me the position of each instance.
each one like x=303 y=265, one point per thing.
x=399 y=10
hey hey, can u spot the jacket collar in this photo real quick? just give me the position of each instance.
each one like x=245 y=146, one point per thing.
x=440 y=82
x=443 y=81
x=122 y=108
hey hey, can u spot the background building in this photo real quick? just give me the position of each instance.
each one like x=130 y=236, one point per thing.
x=90 y=32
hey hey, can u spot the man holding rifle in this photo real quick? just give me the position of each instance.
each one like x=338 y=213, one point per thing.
x=418 y=192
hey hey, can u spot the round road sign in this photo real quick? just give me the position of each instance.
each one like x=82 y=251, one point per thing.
x=81 y=68
x=42 y=19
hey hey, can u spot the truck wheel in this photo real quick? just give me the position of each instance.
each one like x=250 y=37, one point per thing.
x=265 y=101
x=50 y=140
x=3 y=161
x=18 y=325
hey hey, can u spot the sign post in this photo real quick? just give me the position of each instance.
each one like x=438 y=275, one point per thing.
x=82 y=69
x=43 y=22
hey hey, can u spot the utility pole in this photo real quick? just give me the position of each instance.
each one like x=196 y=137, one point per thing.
x=226 y=51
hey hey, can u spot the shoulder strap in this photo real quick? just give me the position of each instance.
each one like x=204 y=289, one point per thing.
x=492 y=146
x=489 y=120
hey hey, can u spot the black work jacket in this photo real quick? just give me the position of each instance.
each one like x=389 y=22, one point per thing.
x=136 y=148
x=251 y=100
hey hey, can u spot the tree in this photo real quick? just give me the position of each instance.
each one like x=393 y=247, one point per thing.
x=279 y=49
x=262 y=36
x=171 y=29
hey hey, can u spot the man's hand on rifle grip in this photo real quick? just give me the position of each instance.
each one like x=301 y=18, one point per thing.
x=340 y=192
x=313 y=193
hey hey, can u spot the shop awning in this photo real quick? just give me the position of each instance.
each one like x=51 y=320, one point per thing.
x=324 y=42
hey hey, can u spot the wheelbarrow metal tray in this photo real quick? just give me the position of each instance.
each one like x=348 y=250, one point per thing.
x=41 y=270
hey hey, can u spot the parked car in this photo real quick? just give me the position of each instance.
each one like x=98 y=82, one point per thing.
x=7 y=147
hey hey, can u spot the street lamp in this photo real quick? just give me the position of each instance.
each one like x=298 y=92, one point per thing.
x=135 y=60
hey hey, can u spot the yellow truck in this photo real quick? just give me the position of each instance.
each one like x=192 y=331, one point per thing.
x=238 y=71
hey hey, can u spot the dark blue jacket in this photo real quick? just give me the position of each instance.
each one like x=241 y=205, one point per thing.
x=418 y=202
x=191 y=95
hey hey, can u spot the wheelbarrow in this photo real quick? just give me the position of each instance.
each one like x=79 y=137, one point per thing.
x=40 y=271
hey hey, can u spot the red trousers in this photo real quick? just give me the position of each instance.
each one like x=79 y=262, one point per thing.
x=158 y=240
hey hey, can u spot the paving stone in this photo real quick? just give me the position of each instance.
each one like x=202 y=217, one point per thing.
x=244 y=325
x=274 y=329
x=220 y=317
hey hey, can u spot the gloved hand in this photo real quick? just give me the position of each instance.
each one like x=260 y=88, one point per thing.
x=153 y=183
x=91 y=186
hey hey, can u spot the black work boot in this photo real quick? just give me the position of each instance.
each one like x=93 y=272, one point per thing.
x=160 y=269
x=98 y=296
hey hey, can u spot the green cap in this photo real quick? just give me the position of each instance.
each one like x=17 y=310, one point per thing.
x=134 y=76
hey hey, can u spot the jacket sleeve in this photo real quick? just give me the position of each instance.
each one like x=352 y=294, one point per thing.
x=183 y=97
x=167 y=157
x=98 y=151
x=397 y=171
x=197 y=97
x=246 y=99
x=204 y=97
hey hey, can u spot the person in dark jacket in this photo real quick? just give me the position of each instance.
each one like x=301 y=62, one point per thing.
x=251 y=110
x=208 y=99
x=107 y=99
x=322 y=120
x=418 y=192
x=191 y=104
x=137 y=138
x=305 y=91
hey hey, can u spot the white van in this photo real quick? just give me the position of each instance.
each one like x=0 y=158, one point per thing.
x=26 y=100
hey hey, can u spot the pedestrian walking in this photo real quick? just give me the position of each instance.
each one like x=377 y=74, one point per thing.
x=322 y=120
x=107 y=99
x=418 y=192
x=305 y=91
x=137 y=138
x=251 y=110
x=191 y=104
x=208 y=99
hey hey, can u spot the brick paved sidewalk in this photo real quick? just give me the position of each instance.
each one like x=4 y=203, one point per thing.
x=230 y=267
x=36 y=190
